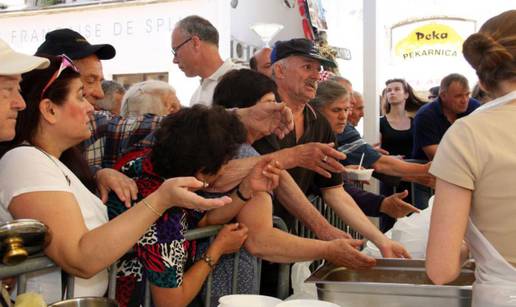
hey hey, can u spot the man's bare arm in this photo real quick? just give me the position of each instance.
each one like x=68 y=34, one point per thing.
x=292 y=198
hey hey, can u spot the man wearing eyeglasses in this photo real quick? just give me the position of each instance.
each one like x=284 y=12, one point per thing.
x=195 y=47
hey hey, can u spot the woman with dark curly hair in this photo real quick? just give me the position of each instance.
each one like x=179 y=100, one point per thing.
x=197 y=142
x=475 y=169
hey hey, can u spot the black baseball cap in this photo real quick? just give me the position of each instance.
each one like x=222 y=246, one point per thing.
x=74 y=45
x=300 y=47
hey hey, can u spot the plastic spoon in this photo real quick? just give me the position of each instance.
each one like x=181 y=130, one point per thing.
x=361 y=160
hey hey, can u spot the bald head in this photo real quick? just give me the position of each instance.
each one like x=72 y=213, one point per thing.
x=357 y=111
x=261 y=61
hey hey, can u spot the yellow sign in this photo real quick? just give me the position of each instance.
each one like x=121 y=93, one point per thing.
x=432 y=39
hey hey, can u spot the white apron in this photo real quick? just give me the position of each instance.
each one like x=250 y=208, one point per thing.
x=495 y=284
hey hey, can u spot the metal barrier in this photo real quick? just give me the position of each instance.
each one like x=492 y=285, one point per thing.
x=41 y=262
x=330 y=216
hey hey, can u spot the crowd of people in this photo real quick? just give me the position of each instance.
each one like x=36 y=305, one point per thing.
x=119 y=175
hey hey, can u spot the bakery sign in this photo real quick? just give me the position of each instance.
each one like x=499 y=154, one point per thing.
x=430 y=38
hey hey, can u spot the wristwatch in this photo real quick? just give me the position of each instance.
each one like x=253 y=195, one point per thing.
x=207 y=258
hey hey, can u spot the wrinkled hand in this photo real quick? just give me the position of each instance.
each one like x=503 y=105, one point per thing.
x=264 y=177
x=379 y=149
x=332 y=233
x=393 y=249
x=230 y=238
x=318 y=157
x=395 y=207
x=178 y=192
x=265 y=118
x=343 y=252
x=124 y=187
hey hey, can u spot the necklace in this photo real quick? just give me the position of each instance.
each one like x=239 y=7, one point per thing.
x=55 y=163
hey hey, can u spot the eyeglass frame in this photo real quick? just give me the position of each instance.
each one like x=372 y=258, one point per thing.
x=176 y=48
x=66 y=62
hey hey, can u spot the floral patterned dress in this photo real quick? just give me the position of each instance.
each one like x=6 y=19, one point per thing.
x=161 y=255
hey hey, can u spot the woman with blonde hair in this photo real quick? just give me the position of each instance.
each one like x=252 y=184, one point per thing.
x=475 y=169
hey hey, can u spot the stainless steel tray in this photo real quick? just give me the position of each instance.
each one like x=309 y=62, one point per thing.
x=20 y=238
x=392 y=282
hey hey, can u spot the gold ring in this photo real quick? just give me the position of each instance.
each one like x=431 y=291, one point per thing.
x=325 y=158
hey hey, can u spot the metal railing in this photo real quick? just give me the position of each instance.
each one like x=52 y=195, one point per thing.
x=41 y=262
x=330 y=216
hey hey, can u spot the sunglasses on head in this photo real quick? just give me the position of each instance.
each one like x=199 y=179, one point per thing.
x=65 y=63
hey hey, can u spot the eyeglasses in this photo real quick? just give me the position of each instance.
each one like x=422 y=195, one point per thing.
x=65 y=63
x=176 y=48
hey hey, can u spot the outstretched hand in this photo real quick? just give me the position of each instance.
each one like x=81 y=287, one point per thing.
x=179 y=192
x=393 y=249
x=265 y=118
x=395 y=207
x=264 y=177
x=343 y=252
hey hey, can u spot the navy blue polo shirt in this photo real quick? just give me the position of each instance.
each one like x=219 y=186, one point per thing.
x=430 y=124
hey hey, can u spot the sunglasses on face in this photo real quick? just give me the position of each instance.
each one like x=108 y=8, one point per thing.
x=65 y=63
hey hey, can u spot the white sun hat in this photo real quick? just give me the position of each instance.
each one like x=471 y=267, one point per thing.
x=15 y=63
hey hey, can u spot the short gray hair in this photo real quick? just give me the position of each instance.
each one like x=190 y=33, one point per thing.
x=449 y=79
x=145 y=97
x=200 y=27
x=109 y=88
x=327 y=92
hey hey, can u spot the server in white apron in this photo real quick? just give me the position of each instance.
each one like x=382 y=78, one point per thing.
x=475 y=167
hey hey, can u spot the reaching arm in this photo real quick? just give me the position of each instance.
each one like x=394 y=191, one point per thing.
x=413 y=172
x=265 y=118
x=309 y=156
x=350 y=213
x=293 y=199
x=275 y=245
x=82 y=252
x=447 y=228
x=264 y=177
x=272 y=244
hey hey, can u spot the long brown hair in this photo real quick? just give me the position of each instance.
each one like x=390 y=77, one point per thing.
x=412 y=104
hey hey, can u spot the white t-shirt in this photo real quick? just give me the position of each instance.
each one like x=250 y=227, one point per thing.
x=204 y=93
x=26 y=169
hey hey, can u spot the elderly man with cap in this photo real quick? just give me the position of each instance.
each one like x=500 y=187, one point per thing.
x=296 y=67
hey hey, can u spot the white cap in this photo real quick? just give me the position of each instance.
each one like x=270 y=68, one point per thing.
x=14 y=63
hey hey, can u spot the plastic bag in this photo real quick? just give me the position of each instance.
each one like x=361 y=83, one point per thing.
x=411 y=231
x=350 y=147
x=299 y=273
